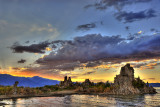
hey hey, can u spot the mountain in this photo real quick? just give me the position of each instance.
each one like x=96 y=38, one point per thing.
x=36 y=81
x=154 y=84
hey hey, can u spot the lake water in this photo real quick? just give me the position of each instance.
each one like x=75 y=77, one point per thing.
x=87 y=101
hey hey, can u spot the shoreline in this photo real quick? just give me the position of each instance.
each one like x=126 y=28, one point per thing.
x=52 y=94
x=55 y=94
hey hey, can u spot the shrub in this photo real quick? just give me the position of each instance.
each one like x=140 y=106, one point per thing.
x=138 y=83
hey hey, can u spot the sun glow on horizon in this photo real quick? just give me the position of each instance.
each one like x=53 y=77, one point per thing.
x=101 y=72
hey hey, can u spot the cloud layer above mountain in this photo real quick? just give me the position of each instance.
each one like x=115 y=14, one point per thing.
x=97 y=48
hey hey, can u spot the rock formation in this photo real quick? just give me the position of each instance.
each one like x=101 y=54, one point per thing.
x=15 y=87
x=125 y=83
x=66 y=83
x=86 y=83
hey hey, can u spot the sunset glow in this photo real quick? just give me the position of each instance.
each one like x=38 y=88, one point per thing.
x=81 y=39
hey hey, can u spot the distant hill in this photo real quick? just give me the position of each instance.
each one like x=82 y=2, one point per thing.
x=36 y=81
x=154 y=84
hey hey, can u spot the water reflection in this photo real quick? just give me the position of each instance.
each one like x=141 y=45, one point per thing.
x=67 y=100
x=134 y=100
x=87 y=101
x=14 y=102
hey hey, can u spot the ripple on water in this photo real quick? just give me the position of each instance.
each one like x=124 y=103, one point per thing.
x=148 y=100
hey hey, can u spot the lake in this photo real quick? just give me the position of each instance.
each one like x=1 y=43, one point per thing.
x=148 y=100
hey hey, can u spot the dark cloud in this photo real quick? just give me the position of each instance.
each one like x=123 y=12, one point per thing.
x=151 y=78
x=127 y=28
x=117 y=4
x=21 y=61
x=101 y=22
x=133 y=36
x=82 y=49
x=16 y=68
x=88 y=73
x=90 y=49
x=154 y=30
x=34 y=48
x=93 y=64
x=27 y=42
x=86 y=27
x=66 y=66
x=128 y=17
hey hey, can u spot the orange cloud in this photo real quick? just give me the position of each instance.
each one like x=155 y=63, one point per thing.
x=48 y=49
x=140 y=32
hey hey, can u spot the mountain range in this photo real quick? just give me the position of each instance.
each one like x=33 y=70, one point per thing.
x=36 y=81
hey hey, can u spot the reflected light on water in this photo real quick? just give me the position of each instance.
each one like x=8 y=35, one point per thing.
x=87 y=101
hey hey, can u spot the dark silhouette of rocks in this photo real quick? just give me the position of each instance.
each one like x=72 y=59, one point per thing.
x=87 y=83
x=66 y=83
x=15 y=87
x=77 y=84
x=125 y=83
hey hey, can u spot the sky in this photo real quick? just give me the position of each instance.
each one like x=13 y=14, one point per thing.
x=80 y=38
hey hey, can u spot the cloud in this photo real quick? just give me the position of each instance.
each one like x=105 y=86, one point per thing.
x=127 y=28
x=140 y=32
x=117 y=4
x=82 y=49
x=128 y=17
x=134 y=36
x=34 y=48
x=21 y=61
x=47 y=28
x=138 y=65
x=151 y=78
x=93 y=49
x=86 y=27
x=88 y=73
x=27 y=42
x=146 y=64
x=16 y=68
x=66 y=66
x=93 y=64
x=131 y=37
x=154 y=30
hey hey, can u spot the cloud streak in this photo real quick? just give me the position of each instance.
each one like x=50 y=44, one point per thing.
x=86 y=27
x=117 y=4
x=34 y=48
x=21 y=61
x=128 y=17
